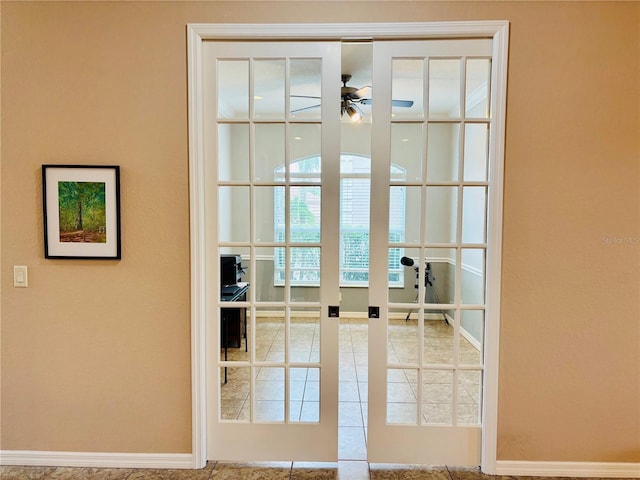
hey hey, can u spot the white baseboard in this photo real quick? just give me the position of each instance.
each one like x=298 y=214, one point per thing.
x=185 y=461
x=414 y=316
x=96 y=460
x=567 y=469
x=474 y=343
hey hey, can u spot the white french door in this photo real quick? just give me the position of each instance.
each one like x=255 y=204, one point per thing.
x=426 y=361
x=271 y=373
x=265 y=186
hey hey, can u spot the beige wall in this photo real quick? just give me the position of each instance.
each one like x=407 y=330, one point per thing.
x=95 y=354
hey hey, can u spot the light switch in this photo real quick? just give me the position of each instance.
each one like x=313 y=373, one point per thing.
x=20 y=277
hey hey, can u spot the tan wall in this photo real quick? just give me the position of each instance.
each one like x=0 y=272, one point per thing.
x=95 y=355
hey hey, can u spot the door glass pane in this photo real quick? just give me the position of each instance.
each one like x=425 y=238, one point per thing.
x=402 y=400
x=235 y=393
x=269 y=152
x=438 y=337
x=407 y=151
x=269 y=394
x=397 y=217
x=354 y=255
x=269 y=280
x=304 y=152
x=476 y=152
x=304 y=214
x=304 y=274
x=396 y=270
x=406 y=269
x=233 y=152
x=407 y=76
x=444 y=88
x=440 y=275
x=405 y=214
x=474 y=201
x=233 y=213
x=443 y=152
x=305 y=294
x=270 y=334
x=268 y=88
x=234 y=332
x=245 y=263
x=469 y=397
x=305 y=88
x=304 y=395
x=471 y=337
x=304 y=336
x=477 y=87
x=402 y=338
x=297 y=384
x=269 y=201
x=473 y=277
x=441 y=215
x=233 y=88
x=437 y=397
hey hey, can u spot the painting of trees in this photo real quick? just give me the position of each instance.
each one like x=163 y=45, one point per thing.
x=82 y=210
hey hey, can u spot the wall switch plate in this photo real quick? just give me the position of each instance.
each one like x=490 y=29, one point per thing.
x=20 y=276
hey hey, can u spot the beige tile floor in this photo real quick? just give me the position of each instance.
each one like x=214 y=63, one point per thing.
x=270 y=471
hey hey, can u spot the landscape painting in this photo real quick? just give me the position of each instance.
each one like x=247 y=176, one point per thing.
x=81 y=211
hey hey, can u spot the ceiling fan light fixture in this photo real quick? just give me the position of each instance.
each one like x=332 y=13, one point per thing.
x=350 y=98
x=354 y=115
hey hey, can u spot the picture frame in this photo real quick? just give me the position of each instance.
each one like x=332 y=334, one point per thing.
x=81 y=210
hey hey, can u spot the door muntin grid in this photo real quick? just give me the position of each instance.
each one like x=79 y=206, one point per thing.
x=275 y=377
x=435 y=333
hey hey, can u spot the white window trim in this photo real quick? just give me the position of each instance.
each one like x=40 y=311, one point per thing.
x=498 y=31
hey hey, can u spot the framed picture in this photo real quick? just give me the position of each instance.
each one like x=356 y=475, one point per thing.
x=81 y=211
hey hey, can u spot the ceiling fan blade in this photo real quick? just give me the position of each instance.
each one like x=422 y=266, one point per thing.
x=402 y=103
x=362 y=91
x=304 y=96
x=394 y=103
x=305 y=108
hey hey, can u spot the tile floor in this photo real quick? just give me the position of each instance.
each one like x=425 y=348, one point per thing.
x=270 y=471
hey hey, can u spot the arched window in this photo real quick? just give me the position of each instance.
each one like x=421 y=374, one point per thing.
x=304 y=218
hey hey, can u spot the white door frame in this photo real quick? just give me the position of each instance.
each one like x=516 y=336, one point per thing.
x=196 y=35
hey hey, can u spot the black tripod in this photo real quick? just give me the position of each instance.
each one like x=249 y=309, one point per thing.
x=428 y=277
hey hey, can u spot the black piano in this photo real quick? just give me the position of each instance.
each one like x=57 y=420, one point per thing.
x=233 y=320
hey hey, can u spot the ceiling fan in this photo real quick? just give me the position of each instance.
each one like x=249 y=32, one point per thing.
x=350 y=97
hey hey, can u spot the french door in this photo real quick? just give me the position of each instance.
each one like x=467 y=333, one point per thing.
x=265 y=182
x=272 y=375
x=426 y=357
